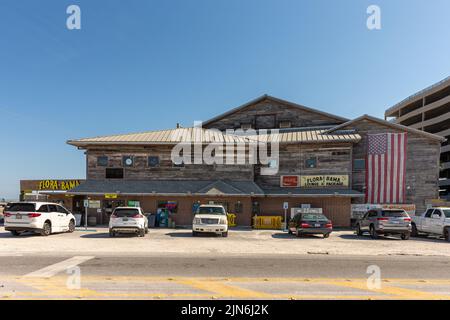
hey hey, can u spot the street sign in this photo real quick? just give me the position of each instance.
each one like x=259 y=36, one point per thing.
x=86 y=203
x=285 y=205
x=111 y=196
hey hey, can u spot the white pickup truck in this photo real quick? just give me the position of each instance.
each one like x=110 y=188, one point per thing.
x=434 y=221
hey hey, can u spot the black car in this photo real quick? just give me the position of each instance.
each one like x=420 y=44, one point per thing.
x=310 y=223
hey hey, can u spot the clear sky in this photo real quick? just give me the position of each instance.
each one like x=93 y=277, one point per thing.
x=144 y=65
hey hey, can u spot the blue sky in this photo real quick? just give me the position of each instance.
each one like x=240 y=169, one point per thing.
x=144 y=65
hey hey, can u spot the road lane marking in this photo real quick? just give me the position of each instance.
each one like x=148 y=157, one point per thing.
x=56 y=268
x=402 y=293
x=222 y=289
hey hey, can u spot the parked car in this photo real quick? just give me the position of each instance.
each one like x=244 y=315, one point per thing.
x=385 y=222
x=2 y=209
x=434 y=221
x=128 y=220
x=210 y=219
x=310 y=223
x=40 y=217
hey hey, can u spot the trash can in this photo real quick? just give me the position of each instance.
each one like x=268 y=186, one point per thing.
x=152 y=220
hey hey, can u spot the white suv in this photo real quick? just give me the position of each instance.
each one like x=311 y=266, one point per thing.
x=212 y=219
x=41 y=217
x=128 y=220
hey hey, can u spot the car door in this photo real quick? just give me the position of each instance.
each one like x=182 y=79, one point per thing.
x=364 y=225
x=64 y=218
x=53 y=215
x=426 y=221
x=436 y=222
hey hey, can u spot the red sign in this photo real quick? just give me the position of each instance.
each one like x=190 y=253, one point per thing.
x=290 y=181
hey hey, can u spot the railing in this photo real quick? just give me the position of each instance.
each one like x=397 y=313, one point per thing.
x=267 y=222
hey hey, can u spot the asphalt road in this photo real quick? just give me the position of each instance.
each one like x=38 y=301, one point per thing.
x=224 y=277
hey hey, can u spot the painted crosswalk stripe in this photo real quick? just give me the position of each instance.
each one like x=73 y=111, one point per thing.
x=56 y=268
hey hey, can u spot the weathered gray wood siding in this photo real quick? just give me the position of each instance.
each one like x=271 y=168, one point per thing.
x=422 y=164
x=165 y=170
x=332 y=159
x=281 y=112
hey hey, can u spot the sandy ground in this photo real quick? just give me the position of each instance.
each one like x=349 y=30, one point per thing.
x=239 y=242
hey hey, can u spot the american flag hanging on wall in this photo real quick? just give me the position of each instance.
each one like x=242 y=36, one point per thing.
x=386 y=168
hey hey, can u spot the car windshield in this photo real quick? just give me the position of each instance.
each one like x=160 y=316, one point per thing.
x=447 y=213
x=126 y=212
x=27 y=207
x=211 y=210
x=313 y=216
x=394 y=214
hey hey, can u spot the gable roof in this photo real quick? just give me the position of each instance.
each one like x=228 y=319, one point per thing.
x=171 y=136
x=207 y=136
x=387 y=124
x=268 y=97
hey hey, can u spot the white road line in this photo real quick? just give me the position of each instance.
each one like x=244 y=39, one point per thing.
x=53 y=269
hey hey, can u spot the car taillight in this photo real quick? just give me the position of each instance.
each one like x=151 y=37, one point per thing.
x=329 y=225
x=7 y=214
x=137 y=216
x=407 y=219
x=34 y=215
x=382 y=219
x=305 y=225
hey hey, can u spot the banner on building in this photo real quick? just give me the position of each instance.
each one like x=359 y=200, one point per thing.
x=386 y=168
x=324 y=181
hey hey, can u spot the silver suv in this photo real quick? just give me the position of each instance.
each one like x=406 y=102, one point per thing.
x=385 y=222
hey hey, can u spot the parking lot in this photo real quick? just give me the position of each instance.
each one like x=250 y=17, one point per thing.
x=240 y=242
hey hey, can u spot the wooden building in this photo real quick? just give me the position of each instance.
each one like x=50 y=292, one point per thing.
x=321 y=164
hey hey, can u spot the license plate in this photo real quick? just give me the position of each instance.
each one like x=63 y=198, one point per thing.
x=124 y=219
x=395 y=222
x=18 y=216
x=317 y=225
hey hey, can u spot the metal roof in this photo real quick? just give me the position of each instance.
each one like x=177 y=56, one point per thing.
x=206 y=136
x=167 y=187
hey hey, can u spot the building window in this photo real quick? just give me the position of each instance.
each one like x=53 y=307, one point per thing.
x=114 y=173
x=153 y=161
x=285 y=124
x=359 y=164
x=311 y=162
x=102 y=161
x=128 y=161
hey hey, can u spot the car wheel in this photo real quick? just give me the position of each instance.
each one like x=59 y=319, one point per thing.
x=194 y=233
x=142 y=233
x=414 y=231
x=46 y=229
x=326 y=235
x=225 y=234
x=358 y=230
x=112 y=233
x=405 y=236
x=298 y=234
x=447 y=234
x=146 y=230
x=71 y=226
x=15 y=233
x=373 y=233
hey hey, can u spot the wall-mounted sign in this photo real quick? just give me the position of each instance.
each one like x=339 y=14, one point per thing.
x=63 y=185
x=111 y=196
x=289 y=181
x=324 y=181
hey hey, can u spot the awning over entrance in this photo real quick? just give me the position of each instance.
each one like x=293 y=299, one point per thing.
x=312 y=192
x=167 y=187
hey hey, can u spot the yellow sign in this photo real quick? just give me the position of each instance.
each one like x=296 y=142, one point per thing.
x=111 y=196
x=58 y=184
x=324 y=181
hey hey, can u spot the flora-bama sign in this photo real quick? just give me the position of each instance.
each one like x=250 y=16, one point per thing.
x=62 y=185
